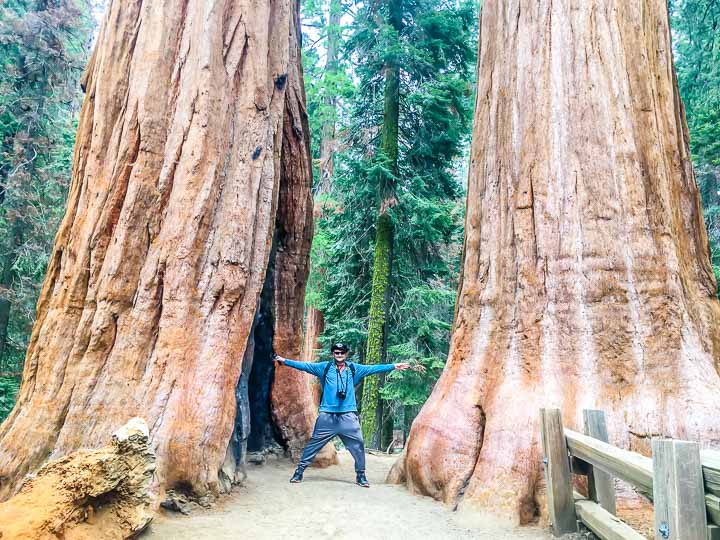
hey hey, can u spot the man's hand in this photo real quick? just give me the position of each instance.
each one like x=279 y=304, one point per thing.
x=279 y=359
x=402 y=366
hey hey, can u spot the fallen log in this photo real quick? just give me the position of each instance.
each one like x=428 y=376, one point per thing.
x=103 y=493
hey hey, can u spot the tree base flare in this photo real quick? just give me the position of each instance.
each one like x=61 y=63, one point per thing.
x=102 y=493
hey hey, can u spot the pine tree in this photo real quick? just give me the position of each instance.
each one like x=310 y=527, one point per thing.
x=416 y=202
x=384 y=233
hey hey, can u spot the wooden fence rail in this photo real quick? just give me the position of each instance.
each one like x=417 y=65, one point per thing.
x=682 y=482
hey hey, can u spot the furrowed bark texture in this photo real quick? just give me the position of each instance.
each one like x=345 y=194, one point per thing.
x=586 y=276
x=153 y=285
x=293 y=404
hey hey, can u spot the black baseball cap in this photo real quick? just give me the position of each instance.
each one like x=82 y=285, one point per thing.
x=339 y=346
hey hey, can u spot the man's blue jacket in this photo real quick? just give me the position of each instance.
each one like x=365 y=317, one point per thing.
x=334 y=380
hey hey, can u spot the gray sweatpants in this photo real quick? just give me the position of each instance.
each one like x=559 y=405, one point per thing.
x=346 y=426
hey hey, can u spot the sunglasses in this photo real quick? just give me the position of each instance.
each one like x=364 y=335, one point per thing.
x=338 y=353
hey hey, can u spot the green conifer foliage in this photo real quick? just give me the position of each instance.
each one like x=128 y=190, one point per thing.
x=392 y=228
x=382 y=265
x=43 y=50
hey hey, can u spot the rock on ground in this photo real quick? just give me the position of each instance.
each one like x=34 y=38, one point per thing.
x=88 y=494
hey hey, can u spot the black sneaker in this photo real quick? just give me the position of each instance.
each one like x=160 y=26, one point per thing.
x=297 y=476
x=361 y=480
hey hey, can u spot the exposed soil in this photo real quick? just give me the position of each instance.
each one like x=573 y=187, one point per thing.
x=328 y=504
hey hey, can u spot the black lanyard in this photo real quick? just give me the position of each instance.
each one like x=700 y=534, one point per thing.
x=339 y=379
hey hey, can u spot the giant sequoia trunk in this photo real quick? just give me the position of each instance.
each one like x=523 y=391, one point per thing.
x=586 y=276
x=153 y=286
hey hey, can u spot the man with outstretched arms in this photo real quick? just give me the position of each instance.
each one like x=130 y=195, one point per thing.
x=338 y=409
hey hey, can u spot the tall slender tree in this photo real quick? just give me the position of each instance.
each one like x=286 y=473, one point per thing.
x=331 y=81
x=384 y=237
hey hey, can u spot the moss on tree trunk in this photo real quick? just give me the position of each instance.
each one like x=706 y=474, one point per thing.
x=372 y=415
x=381 y=276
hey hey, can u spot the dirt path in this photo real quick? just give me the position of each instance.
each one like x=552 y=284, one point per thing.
x=328 y=504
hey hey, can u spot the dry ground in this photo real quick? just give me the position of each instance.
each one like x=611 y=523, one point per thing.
x=328 y=504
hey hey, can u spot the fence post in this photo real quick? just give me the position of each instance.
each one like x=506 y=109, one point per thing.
x=678 y=491
x=601 y=485
x=557 y=473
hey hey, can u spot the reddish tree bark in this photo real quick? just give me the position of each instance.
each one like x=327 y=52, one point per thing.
x=314 y=327
x=586 y=276
x=158 y=265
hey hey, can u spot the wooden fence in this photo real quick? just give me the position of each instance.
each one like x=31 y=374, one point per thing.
x=682 y=482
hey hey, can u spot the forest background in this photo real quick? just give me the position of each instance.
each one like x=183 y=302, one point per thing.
x=390 y=92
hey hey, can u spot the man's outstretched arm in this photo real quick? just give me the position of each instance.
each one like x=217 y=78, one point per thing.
x=363 y=370
x=313 y=368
